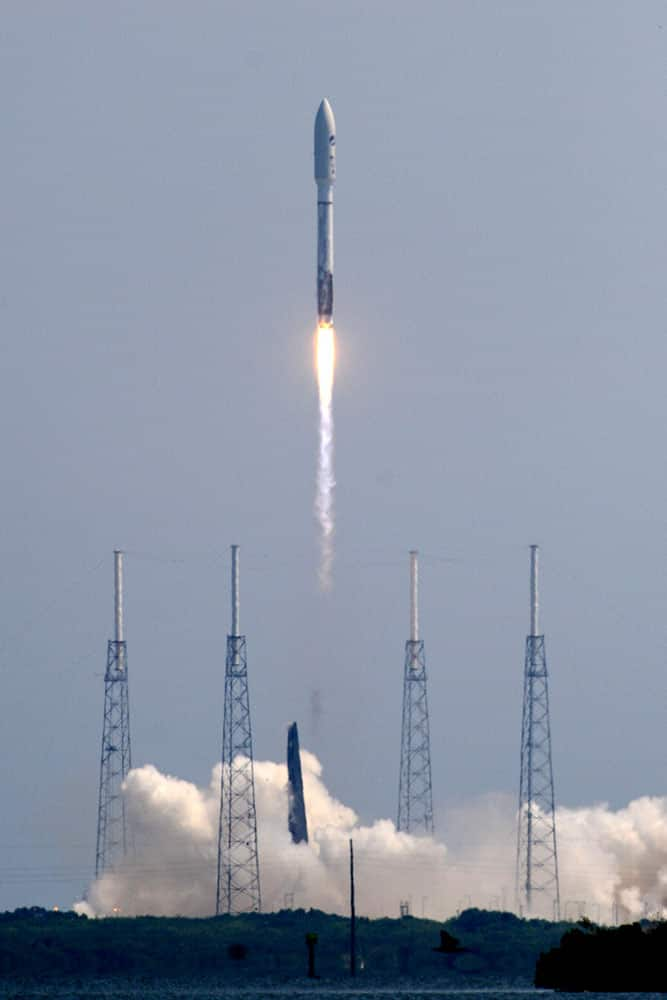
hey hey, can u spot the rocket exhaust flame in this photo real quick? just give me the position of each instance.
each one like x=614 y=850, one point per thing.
x=326 y=362
x=325 y=358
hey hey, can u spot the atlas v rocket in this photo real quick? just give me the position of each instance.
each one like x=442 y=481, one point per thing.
x=325 y=176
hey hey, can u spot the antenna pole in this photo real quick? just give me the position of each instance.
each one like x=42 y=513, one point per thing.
x=534 y=595
x=236 y=597
x=414 y=596
x=353 y=917
x=118 y=595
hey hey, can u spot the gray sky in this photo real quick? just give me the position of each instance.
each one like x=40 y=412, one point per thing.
x=500 y=306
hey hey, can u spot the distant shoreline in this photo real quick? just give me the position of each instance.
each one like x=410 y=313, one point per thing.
x=477 y=949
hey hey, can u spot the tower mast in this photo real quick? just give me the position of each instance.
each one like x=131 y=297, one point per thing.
x=237 y=889
x=415 y=796
x=116 y=753
x=537 y=885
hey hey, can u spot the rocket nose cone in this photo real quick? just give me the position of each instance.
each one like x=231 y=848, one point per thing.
x=324 y=120
x=325 y=143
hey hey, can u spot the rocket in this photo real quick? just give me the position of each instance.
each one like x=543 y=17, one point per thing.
x=325 y=175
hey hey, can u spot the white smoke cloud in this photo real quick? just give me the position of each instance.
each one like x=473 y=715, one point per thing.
x=610 y=861
x=172 y=869
x=617 y=859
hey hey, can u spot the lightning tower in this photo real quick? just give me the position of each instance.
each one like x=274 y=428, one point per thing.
x=238 y=859
x=116 y=756
x=537 y=886
x=415 y=798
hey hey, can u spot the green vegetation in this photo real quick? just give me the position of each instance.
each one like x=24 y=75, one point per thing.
x=628 y=959
x=479 y=946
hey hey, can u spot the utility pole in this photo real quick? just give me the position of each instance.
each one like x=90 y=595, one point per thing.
x=353 y=917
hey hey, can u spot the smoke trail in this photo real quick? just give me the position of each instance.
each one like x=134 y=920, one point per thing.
x=325 y=359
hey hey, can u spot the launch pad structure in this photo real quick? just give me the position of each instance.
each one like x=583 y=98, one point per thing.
x=238 y=877
x=237 y=887
x=415 y=795
x=116 y=753
x=537 y=884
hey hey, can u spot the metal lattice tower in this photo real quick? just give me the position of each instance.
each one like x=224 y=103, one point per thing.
x=537 y=884
x=238 y=858
x=116 y=755
x=415 y=797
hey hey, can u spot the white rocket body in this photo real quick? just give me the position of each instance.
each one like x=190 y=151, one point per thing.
x=325 y=176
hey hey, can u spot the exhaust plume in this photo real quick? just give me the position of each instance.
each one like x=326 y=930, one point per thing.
x=325 y=354
x=613 y=864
